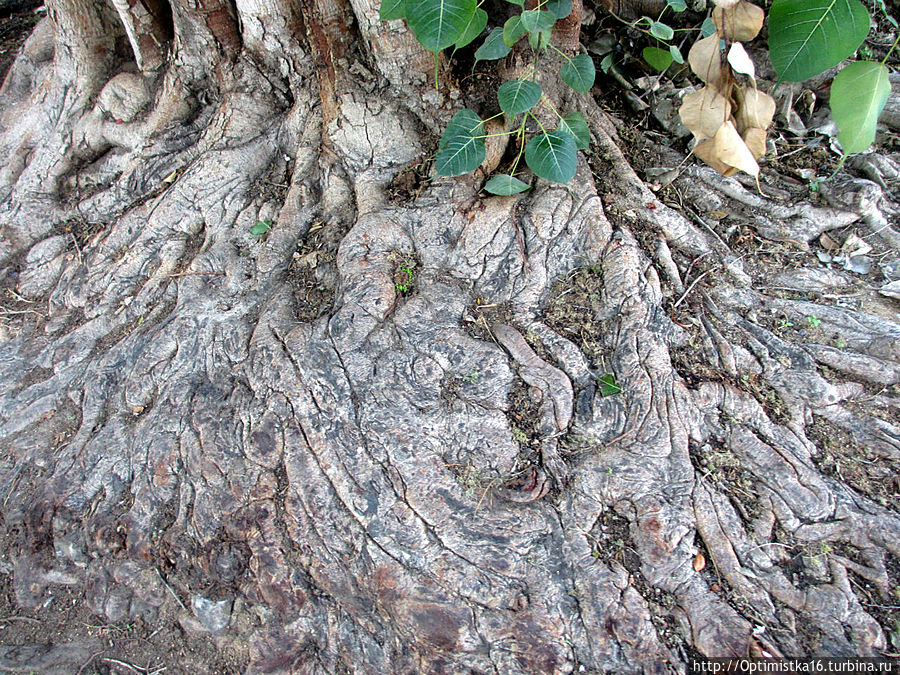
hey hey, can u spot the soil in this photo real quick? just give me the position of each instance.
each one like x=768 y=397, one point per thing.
x=63 y=622
x=16 y=21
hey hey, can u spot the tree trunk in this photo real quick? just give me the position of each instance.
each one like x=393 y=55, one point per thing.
x=374 y=439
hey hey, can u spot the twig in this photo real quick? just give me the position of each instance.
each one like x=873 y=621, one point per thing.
x=188 y=274
x=136 y=669
x=690 y=288
x=696 y=217
x=8 y=312
x=77 y=248
x=19 y=618
x=88 y=662
x=19 y=297
x=171 y=590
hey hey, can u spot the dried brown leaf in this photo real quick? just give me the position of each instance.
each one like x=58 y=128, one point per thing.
x=828 y=243
x=704 y=111
x=755 y=138
x=725 y=3
x=705 y=59
x=754 y=108
x=739 y=21
x=699 y=562
x=740 y=61
x=727 y=153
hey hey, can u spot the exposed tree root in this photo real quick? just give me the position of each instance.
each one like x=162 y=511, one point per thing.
x=352 y=492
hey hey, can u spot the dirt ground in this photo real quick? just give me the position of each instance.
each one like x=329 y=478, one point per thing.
x=16 y=23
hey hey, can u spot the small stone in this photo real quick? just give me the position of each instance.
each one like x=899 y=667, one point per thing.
x=214 y=615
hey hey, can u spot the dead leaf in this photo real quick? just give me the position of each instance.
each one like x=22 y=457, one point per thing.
x=754 y=108
x=725 y=3
x=828 y=243
x=727 y=153
x=706 y=152
x=741 y=21
x=310 y=260
x=704 y=111
x=699 y=562
x=755 y=138
x=891 y=290
x=705 y=59
x=740 y=61
x=855 y=245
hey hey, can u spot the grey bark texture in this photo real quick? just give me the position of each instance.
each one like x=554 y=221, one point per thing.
x=270 y=440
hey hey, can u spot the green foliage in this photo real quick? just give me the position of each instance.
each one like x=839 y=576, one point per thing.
x=575 y=124
x=518 y=96
x=461 y=149
x=806 y=37
x=608 y=385
x=858 y=95
x=438 y=24
x=261 y=228
x=660 y=59
x=474 y=29
x=505 y=185
x=707 y=28
x=661 y=31
x=560 y=8
x=493 y=47
x=579 y=73
x=513 y=30
x=392 y=9
x=551 y=155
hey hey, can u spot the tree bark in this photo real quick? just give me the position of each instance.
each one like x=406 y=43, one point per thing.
x=375 y=439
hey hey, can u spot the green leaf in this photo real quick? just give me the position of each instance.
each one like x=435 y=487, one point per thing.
x=493 y=47
x=437 y=24
x=677 y=6
x=552 y=156
x=518 y=96
x=392 y=9
x=520 y=3
x=661 y=31
x=579 y=72
x=504 y=185
x=513 y=30
x=560 y=8
x=473 y=30
x=575 y=124
x=261 y=227
x=660 y=59
x=461 y=148
x=535 y=20
x=858 y=95
x=540 y=39
x=608 y=385
x=676 y=54
x=607 y=62
x=464 y=123
x=707 y=28
x=807 y=37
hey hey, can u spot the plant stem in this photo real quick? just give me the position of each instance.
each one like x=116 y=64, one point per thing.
x=521 y=132
x=552 y=107
x=891 y=50
x=556 y=49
